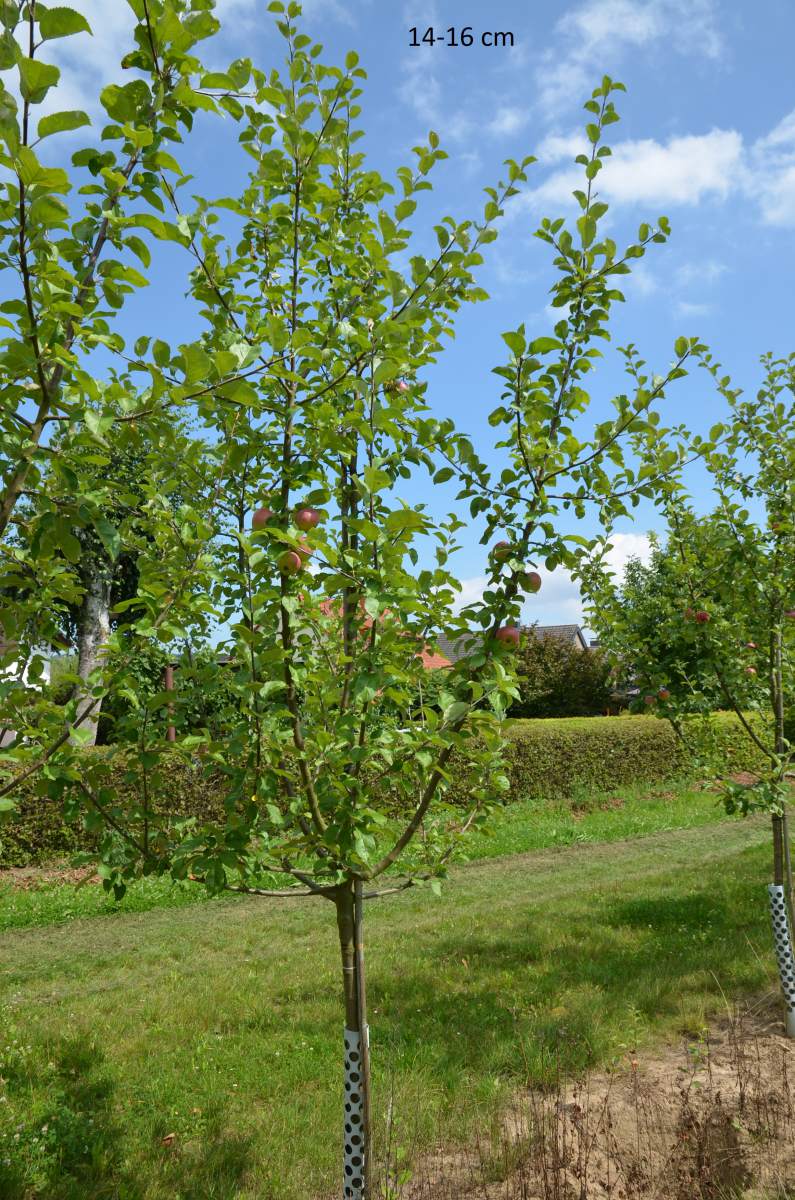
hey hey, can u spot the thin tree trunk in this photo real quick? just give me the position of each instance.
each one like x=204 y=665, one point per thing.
x=782 y=928
x=356 y=1139
x=93 y=631
x=780 y=891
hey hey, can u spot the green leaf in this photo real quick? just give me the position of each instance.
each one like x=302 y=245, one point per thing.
x=62 y=121
x=7 y=804
x=61 y=22
x=515 y=341
x=32 y=173
x=455 y=711
x=9 y=50
x=36 y=78
x=109 y=536
x=544 y=345
x=63 y=537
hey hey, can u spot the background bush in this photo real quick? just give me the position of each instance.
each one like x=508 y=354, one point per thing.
x=556 y=679
x=548 y=759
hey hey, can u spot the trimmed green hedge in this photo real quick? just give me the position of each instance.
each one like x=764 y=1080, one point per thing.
x=549 y=759
x=37 y=830
x=557 y=758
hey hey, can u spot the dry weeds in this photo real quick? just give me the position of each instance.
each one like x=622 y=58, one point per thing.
x=707 y=1119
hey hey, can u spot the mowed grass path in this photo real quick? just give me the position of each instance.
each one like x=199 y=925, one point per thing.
x=520 y=826
x=220 y=1024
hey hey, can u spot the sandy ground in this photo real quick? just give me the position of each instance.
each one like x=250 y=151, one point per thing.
x=707 y=1120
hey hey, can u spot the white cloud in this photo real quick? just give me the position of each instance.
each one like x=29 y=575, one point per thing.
x=624 y=546
x=472 y=590
x=601 y=31
x=687 y=170
x=700 y=273
x=684 y=170
x=642 y=282
x=689 y=308
x=771 y=173
x=507 y=120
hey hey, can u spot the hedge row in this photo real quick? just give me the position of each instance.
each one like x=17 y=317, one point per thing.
x=557 y=759
x=548 y=759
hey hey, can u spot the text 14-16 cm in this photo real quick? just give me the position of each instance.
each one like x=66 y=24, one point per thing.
x=459 y=37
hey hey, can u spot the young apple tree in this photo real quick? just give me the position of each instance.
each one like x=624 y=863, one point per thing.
x=320 y=317
x=721 y=629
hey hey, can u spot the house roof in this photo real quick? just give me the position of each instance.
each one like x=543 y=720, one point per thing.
x=564 y=633
x=458 y=648
x=432 y=660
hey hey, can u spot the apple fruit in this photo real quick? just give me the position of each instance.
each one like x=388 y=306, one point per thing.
x=702 y=616
x=663 y=694
x=261 y=518
x=750 y=670
x=648 y=699
x=502 y=550
x=290 y=563
x=750 y=645
x=306 y=517
x=689 y=614
x=509 y=635
x=790 y=614
x=530 y=581
x=402 y=386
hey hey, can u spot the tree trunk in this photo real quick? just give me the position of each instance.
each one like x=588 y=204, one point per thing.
x=356 y=1138
x=93 y=631
x=782 y=929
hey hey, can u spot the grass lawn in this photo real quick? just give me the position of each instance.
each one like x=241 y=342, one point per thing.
x=194 y=1052
x=515 y=829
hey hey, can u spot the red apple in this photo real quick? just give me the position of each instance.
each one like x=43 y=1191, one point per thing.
x=402 y=386
x=502 y=550
x=750 y=645
x=750 y=670
x=307 y=518
x=509 y=635
x=702 y=616
x=790 y=614
x=530 y=581
x=290 y=563
x=304 y=549
x=689 y=614
x=649 y=699
x=663 y=694
x=261 y=518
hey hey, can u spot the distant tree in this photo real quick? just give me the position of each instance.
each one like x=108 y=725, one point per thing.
x=556 y=679
x=715 y=621
x=644 y=652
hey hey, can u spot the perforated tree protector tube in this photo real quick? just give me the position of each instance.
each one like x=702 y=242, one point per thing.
x=783 y=942
x=353 y=1142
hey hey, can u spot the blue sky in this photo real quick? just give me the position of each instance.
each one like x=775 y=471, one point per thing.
x=707 y=137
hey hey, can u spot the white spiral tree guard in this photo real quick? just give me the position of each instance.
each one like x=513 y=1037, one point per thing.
x=353 y=1143
x=783 y=942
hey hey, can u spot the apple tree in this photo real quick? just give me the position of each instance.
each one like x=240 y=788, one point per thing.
x=320 y=314
x=721 y=631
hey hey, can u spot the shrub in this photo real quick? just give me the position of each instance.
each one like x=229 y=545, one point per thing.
x=556 y=679
x=547 y=759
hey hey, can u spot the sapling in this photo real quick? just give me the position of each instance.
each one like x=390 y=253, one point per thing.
x=734 y=569
x=299 y=381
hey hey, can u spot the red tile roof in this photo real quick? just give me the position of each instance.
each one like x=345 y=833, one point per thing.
x=432 y=660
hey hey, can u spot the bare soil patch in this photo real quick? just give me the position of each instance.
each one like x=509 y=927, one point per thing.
x=26 y=879
x=704 y=1119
